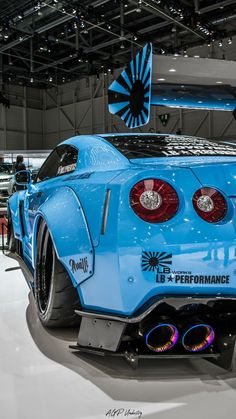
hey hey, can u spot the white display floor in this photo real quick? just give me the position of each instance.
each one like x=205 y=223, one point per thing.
x=41 y=379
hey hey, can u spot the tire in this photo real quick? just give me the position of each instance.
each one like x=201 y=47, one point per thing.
x=56 y=298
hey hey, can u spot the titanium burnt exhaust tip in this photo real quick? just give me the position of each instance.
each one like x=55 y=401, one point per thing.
x=162 y=337
x=198 y=337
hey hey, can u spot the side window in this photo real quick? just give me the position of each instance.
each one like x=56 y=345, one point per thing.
x=62 y=160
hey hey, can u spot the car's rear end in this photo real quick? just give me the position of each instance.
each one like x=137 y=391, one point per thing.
x=169 y=248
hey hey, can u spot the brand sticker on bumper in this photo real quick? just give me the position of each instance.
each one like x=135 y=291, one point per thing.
x=161 y=264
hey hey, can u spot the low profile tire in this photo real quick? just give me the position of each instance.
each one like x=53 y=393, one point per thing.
x=55 y=295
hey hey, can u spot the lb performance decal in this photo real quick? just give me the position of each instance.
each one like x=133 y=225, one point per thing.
x=199 y=279
x=160 y=263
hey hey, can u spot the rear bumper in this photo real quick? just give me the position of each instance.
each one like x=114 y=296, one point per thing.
x=103 y=333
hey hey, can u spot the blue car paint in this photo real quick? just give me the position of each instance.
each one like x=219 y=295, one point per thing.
x=117 y=282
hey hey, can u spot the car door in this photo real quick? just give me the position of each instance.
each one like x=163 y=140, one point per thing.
x=60 y=162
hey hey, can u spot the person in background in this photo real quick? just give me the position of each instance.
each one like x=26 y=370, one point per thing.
x=19 y=165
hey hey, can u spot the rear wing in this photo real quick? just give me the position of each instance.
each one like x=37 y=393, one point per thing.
x=185 y=83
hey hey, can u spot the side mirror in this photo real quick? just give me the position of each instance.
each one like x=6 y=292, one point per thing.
x=23 y=178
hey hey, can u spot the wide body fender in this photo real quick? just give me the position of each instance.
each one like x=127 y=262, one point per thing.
x=65 y=219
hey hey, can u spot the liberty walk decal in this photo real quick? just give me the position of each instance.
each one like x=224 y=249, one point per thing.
x=158 y=262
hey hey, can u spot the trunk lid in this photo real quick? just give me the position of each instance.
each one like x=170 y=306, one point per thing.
x=215 y=172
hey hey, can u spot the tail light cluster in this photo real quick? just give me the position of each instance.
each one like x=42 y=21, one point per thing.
x=156 y=201
x=210 y=205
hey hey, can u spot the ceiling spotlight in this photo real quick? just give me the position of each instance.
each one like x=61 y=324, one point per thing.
x=85 y=31
x=172 y=70
x=230 y=41
x=220 y=43
x=6 y=36
x=139 y=6
x=31 y=79
x=20 y=15
x=135 y=38
x=122 y=45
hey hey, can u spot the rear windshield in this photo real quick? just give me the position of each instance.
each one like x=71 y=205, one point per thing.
x=137 y=146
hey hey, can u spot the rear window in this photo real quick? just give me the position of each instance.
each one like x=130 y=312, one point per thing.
x=137 y=146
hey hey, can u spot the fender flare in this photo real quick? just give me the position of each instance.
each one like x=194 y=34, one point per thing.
x=67 y=224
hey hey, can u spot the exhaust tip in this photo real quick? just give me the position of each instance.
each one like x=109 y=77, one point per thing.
x=198 y=337
x=162 y=337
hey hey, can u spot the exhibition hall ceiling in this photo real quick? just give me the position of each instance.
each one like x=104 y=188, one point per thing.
x=46 y=43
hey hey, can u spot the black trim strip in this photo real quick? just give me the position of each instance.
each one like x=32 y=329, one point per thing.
x=105 y=211
x=174 y=301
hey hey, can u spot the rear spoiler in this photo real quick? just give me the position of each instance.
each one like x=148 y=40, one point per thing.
x=136 y=88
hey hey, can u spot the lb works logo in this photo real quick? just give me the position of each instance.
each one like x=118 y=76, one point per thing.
x=156 y=261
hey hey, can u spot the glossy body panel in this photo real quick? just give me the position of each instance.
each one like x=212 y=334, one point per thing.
x=193 y=256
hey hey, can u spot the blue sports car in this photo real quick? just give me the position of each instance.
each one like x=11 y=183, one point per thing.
x=133 y=238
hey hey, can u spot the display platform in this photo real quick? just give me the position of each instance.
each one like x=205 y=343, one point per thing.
x=42 y=379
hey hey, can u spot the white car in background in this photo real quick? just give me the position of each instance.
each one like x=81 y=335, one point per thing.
x=6 y=178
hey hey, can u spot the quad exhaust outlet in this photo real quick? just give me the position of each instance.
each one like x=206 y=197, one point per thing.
x=162 y=337
x=165 y=336
x=198 y=337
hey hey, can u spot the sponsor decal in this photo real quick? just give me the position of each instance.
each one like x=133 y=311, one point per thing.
x=179 y=146
x=82 y=264
x=79 y=176
x=66 y=169
x=152 y=260
x=160 y=263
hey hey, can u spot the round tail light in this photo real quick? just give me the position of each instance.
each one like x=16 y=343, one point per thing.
x=154 y=200
x=210 y=204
